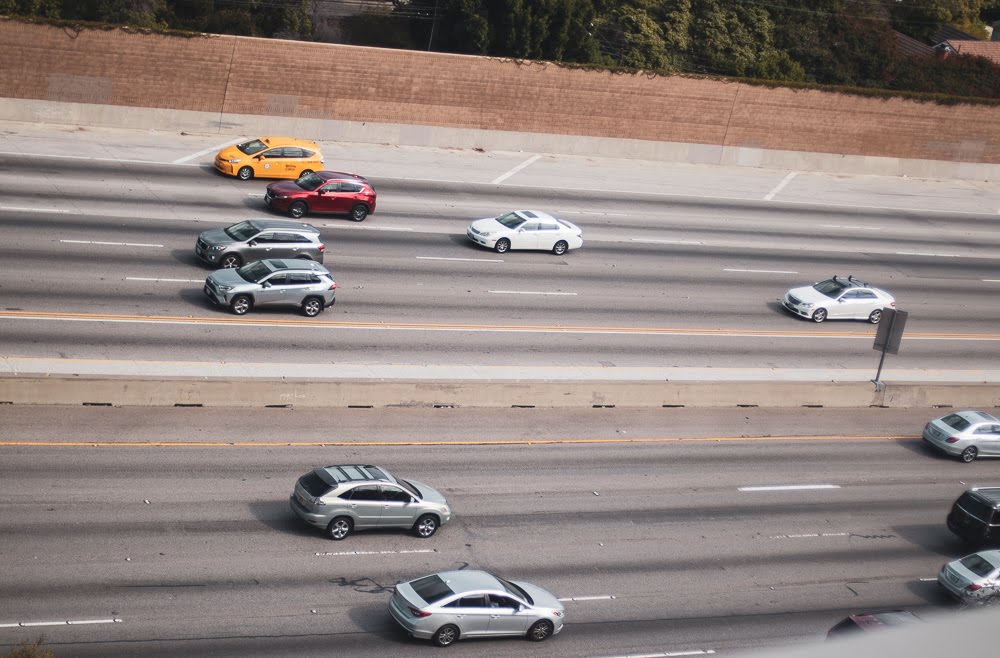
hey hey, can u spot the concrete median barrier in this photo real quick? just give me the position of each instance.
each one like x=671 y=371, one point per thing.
x=496 y=394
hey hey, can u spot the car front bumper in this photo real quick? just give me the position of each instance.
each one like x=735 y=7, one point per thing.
x=486 y=241
x=223 y=167
x=797 y=310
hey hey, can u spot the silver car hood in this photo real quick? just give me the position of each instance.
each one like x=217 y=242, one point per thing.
x=216 y=236
x=429 y=494
x=542 y=598
x=229 y=277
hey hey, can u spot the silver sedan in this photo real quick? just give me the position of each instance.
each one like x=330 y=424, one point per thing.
x=965 y=434
x=973 y=578
x=453 y=605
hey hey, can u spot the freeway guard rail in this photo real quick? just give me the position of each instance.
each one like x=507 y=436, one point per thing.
x=138 y=391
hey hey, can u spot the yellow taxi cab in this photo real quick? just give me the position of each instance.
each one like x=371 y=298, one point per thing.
x=270 y=157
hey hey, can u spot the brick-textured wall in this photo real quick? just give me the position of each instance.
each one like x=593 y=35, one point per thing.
x=241 y=75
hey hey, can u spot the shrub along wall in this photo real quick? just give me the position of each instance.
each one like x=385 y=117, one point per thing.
x=242 y=75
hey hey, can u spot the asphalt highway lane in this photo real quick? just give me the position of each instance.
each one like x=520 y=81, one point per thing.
x=664 y=545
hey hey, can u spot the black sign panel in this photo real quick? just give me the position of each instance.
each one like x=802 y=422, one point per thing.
x=890 y=330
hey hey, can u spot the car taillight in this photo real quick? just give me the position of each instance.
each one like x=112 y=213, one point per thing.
x=951 y=439
x=321 y=247
x=973 y=587
x=892 y=304
x=333 y=286
x=418 y=613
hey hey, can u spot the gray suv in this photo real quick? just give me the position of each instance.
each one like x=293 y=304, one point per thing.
x=255 y=239
x=301 y=283
x=343 y=498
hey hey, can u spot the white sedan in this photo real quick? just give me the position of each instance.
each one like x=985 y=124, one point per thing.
x=526 y=229
x=839 y=298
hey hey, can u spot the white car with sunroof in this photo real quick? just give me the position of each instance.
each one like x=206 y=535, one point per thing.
x=526 y=229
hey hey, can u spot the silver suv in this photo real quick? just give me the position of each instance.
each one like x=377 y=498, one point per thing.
x=343 y=498
x=302 y=283
x=255 y=239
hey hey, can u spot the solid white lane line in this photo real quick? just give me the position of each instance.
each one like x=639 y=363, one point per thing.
x=19 y=209
x=607 y=597
x=339 y=553
x=142 y=278
x=791 y=487
x=726 y=269
x=208 y=150
x=88 y=158
x=113 y=244
x=918 y=253
x=368 y=228
x=471 y=260
x=652 y=241
x=928 y=580
x=592 y=212
x=780 y=186
x=811 y=534
x=78 y=622
x=527 y=163
x=528 y=292
x=992 y=280
x=255 y=195
x=856 y=228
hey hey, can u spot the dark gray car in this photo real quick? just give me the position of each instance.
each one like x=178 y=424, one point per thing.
x=302 y=283
x=255 y=239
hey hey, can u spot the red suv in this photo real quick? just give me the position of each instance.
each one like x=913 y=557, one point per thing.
x=323 y=192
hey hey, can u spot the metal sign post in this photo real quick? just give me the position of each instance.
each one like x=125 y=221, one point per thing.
x=887 y=338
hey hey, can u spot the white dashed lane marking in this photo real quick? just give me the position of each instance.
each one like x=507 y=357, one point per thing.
x=667 y=654
x=471 y=260
x=40 y=210
x=78 y=622
x=791 y=487
x=141 y=278
x=652 y=241
x=726 y=269
x=604 y=597
x=780 y=186
x=339 y=553
x=528 y=292
x=113 y=244
x=811 y=534
x=853 y=228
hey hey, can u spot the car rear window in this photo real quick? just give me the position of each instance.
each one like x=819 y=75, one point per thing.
x=315 y=485
x=955 y=422
x=975 y=507
x=431 y=588
x=978 y=565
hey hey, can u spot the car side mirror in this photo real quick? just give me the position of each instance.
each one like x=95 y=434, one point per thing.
x=320 y=191
x=520 y=230
x=266 y=284
x=252 y=243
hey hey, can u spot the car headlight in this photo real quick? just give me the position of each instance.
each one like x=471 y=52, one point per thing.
x=280 y=196
x=217 y=247
x=225 y=288
x=806 y=304
x=233 y=161
x=485 y=234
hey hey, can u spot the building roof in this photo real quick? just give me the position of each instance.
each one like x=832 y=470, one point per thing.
x=947 y=33
x=911 y=47
x=988 y=49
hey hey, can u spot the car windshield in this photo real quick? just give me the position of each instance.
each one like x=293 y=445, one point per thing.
x=515 y=590
x=309 y=181
x=978 y=565
x=511 y=220
x=956 y=422
x=254 y=272
x=431 y=588
x=830 y=288
x=251 y=147
x=241 y=232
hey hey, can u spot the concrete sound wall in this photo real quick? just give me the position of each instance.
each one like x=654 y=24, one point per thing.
x=324 y=91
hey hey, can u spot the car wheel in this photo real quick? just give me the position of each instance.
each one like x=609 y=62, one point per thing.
x=540 y=630
x=297 y=209
x=560 y=248
x=305 y=172
x=445 y=636
x=230 y=261
x=876 y=316
x=240 y=304
x=312 y=306
x=245 y=173
x=502 y=246
x=339 y=528
x=969 y=454
x=359 y=212
x=426 y=526
x=819 y=315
